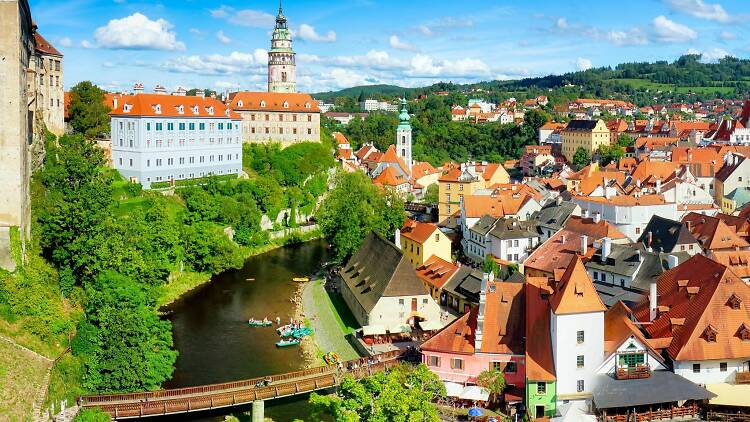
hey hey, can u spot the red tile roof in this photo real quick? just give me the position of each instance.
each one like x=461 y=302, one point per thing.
x=390 y=177
x=273 y=101
x=737 y=261
x=575 y=292
x=418 y=231
x=712 y=233
x=44 y=46
x=540 y=366
x=436 y=271
x=693 y=296
x=146 y=105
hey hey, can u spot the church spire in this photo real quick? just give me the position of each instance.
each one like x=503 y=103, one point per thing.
x=280 y=18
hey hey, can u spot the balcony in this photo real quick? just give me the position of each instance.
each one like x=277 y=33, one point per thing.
x=633 y=372
x=742 y=377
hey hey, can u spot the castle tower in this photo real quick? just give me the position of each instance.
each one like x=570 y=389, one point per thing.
x=282 y=75
x=403 y=136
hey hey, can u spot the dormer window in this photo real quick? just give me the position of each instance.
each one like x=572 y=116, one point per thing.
x=157 y=108
x=127 y=107
x=262 y=104
x=195 y=110
x=210 y=110
x=710 y=334
x=181 y=109
x=744 y=332
x=307 y=105
x=240 y=104
x=734 y=302
x=286 y=104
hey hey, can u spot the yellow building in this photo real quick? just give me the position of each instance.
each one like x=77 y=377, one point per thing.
x=465 y=180
x=586 y=134
x=420 y=241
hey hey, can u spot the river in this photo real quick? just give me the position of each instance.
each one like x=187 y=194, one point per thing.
x=213 y=338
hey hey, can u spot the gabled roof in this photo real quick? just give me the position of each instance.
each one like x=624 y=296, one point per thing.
x=665 y=234
x=272 y=101
x=649 y=171
x=734 y=162
x=436 y=271
x=503 y=329
x=575 y=292
x=593 y=229
x=390 y=156
x=581 y=125
x=737 y=261
x=713 y=233
x=379 y=269
x=692 y=297
x=43 y=46
x=390 y=177
x=340 y=138
x=540 y=365
x=365 y=151
x=554 y=215
x=618 y=327
x=418 y=231
x=421 y=169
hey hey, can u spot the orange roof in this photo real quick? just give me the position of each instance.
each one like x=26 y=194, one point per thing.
x=273 y=101
x=44 y=46
x=650 y=171
x=592 y=179
x=365 y=151
x=694 y=296
x=155 y=105
x=344 y=154
x=626 y=200
x=340 y=138
x=484 y=171
x=713 y=233
x=499 y=205
x=650 y=143
x=503 y=330
x=418 y=231
x=575 y=293
x=436 y=271
x=703 y=162
x=737 y=261
x=618 y=327
x=390 y=156
x=587 y=226
x=390 y=177
x=422 y=168
x=553 y=126
x=540 y=365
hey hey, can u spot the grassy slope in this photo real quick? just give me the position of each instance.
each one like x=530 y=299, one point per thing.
x=21 y=375
x=653 y=86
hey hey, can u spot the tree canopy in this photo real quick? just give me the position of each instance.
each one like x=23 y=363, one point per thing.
x=581 y=158
x=89 y=115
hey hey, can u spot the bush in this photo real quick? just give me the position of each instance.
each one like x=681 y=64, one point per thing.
x=133 y=189
x=91 y=415
x=160 y=185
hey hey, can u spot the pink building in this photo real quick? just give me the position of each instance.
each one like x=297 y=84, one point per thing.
x=490 y=336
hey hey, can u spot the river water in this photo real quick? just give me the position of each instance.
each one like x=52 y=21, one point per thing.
x=213 y=338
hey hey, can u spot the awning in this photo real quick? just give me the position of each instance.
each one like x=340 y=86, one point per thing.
x=430 y=325
x=399 y=328
x=475 y=392
x=570 y=412
x=373 y=330
x=453 y=389
x=729 y=394
x=514 y=394
x=660 y=387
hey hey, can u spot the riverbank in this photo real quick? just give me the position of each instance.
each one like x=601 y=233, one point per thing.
x=180 y=283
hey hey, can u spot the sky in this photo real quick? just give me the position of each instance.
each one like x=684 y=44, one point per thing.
x=222 y=45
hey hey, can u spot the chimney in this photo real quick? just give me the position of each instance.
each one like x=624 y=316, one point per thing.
x=584 y=244
x=160 y=90
x=652 y=301
x=597 y=217
x=606 y=247
x=658 y=185
x=672 y=261
x=585 y=213
x=138 y=88
x=200 y=93
x=397 y=238
x=558 y=200
x=650 y=239
x=689 y=225
x=563 y=238
x=478 y=335
x=114 y=102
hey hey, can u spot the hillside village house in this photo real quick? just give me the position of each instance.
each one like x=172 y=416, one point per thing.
x=284 y=117
x=466 y=179
x=381 y=288
x=163 y=138
x=420 y=241
x=586 y=134
x=734 y=174
x=507 y=239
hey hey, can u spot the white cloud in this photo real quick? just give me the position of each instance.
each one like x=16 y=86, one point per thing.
x=226 y=85
x=138 y=32
x=108 y=64
x=711 y=55
x=583 y=64
x=307 y=33
x=219 y=64
x=195 y=31
x=443 y=25
x=726 y=35
x=630 y=37
x=422 y=65
x=223 y=38
x=700 y=9
x=65 y=42
x=344 y=78
x=666 y=30
x=244 y=17
x=561 y=23
x=86 y=44
x=400 y=45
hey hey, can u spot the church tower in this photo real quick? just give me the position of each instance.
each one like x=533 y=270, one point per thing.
x=282 y=75
x=403 y=136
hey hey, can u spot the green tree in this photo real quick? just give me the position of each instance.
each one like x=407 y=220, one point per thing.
x=624 y=140
x=581 y=158
x=608 y=154
x=127 y=346
x=493 y=380
x=402 y=394
x=431 y=196
x=92 y=415
x=355 y=207
x=89 y=115
x=207 y=249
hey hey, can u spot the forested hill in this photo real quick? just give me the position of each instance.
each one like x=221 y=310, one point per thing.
x=685 y=79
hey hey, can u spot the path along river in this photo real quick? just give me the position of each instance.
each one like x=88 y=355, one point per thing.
x=213 y=338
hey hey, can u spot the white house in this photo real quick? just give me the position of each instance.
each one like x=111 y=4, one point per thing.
x=159 y=138
x=513 y=240
x=629 y=213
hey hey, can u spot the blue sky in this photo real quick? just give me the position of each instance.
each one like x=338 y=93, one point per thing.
x=222 y=45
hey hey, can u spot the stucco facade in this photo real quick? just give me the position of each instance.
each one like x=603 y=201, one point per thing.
x=709 y=371
x=588 y=136
x=48 y=65
x=541 y=398
x=444 y=366
x=17 y=46
x=566 y=350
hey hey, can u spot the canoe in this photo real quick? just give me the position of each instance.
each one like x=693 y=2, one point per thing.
x=302 y=332
x=301 y=279
x=256 y=323
x=331 y=358
x=287 y=343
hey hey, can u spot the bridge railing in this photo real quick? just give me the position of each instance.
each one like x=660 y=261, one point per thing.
x=222 y=387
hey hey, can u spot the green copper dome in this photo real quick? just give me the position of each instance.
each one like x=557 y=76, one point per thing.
x=404 y=116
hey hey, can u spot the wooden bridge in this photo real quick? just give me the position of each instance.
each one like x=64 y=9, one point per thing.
x=237 y=393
